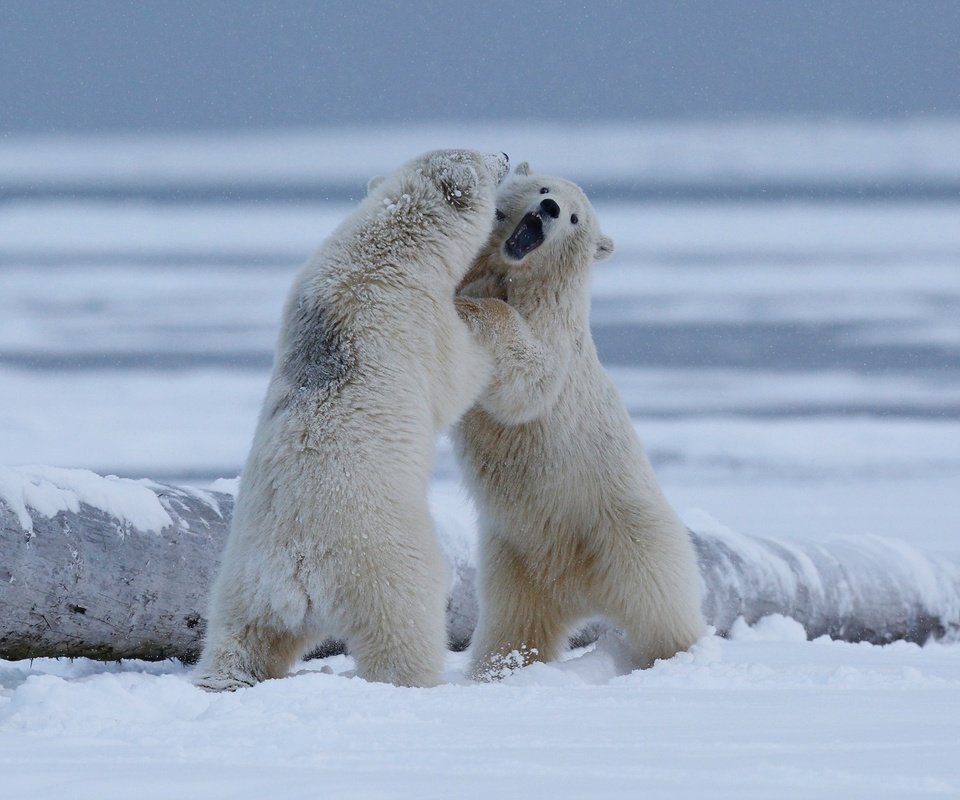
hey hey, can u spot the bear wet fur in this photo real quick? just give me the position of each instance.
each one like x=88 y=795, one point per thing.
x=572 y=521
x=331 y=535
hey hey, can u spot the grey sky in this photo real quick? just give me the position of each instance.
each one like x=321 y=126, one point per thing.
x=190 y=64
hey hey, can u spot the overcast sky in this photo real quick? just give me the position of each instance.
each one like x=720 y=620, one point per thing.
x=190 y=64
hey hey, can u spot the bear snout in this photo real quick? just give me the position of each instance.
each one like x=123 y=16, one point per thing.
x=550 y=207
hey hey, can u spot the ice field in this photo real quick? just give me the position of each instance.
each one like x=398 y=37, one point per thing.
x=792 y=365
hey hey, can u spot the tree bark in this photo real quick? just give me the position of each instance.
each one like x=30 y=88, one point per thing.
x=89 y=581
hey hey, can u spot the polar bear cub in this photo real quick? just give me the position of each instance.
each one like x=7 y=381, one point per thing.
x=331 y=534
x=572 y=521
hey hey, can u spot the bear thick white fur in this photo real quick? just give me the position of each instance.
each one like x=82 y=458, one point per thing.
x=331 y=535
x=572 y=521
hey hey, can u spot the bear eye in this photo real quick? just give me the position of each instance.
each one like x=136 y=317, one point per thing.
x=574 y=219
x=500 y=216
x=544 y=190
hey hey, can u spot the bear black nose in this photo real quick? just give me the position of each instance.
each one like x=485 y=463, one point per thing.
x=550 y=207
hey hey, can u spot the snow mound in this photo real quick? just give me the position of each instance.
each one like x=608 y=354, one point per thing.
x=49 y=490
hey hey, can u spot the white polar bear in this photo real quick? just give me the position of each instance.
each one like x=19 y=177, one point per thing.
x=572 y=521
x=331 y=535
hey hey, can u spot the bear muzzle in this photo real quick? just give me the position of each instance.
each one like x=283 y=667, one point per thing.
x=530 y=233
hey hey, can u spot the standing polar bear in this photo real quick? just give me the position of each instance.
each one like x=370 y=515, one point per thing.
x=572 y=521
x=331 y=535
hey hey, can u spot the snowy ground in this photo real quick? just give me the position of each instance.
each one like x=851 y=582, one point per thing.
x=792 y=367
x=767 y=714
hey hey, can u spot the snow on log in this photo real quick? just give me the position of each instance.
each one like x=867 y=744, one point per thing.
x=110 y=568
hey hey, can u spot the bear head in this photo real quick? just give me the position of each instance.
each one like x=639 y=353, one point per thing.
x=545 y=221
x=462 y=177
x=441 y=203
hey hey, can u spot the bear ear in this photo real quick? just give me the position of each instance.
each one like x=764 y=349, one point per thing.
x=523 y=168
x=604 y=248
x=374 y=182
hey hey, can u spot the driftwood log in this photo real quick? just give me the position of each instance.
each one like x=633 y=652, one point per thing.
x=106 y=568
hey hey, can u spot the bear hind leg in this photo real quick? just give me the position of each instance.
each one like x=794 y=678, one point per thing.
x=408 y=654
x=254 y=654
x=393 y=614
x=520 y=622
x=660 y=614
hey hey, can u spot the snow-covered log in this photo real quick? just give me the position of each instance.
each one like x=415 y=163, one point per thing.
x=854 y=588
x=111 y=568
x=104 y=567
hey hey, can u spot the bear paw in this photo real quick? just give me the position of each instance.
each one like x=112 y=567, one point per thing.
x=223 y=682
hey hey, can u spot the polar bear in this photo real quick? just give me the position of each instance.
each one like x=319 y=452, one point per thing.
x=572 y=521
x=331 y=535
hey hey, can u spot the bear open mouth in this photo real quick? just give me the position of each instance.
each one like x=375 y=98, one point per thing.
x=526 y=237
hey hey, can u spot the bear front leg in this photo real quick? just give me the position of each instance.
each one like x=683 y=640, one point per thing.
x=483 y=284
x=520 y=623
x=483 y=281
x=528 y=375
